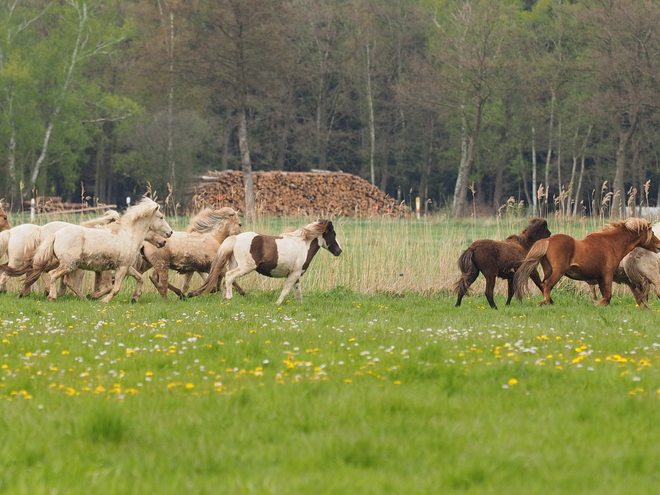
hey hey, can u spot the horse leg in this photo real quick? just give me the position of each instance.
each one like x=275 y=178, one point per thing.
x=510 y=290
x=72 y=281
x=139 y=282
x=242 y=292
x=187 y=277
x=641 y=294
x=159 y=278
x=75 y=278
x=181 y=293
x=102 y=279
x=231 y=276
x=3 y=281
x=605 y=286
x=120 y=273
x=490 y=288
x=288 y=284
x=463 y=284
x=296 y=290
x=53 y=277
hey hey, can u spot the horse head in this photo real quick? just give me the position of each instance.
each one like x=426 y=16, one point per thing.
x=649 y=240
x=535 y=231
x=155 y=239
x=328 y=238
x=150 y=209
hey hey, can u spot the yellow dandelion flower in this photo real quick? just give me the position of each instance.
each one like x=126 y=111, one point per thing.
x=512 y=381
x=190 y=385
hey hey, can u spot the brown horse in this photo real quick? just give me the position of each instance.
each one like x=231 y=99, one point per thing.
x=498 y=259
x=595 y=258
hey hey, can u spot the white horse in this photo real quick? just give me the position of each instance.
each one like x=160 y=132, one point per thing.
x=21 y=242
x=190 y=251
x=285 y=256
x=99 y=250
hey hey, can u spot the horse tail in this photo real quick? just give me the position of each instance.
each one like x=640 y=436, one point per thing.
x=32 y=242
x=468 y=270
x=43 y=259
x=218 y=267
x=529 y=264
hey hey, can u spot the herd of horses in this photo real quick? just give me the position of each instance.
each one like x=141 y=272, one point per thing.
x=216 y=246
x=114 y=246
x=625 y=252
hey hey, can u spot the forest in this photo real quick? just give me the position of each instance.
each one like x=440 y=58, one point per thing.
x=471 y=105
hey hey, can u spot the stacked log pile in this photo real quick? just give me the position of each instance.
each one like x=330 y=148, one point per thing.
x=325 y=194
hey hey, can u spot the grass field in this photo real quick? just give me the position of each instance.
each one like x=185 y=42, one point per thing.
x=374 y=384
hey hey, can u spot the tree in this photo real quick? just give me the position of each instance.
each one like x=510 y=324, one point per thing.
x=624 y=58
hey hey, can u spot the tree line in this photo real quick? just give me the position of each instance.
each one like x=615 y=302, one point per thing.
x=471 y=105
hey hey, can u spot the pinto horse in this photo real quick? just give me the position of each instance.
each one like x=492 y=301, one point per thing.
x=498 y=259
x=285 y=256
x=595 y=258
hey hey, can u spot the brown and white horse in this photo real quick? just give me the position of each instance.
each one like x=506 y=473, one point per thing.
x=285 y=256
x=595 y=258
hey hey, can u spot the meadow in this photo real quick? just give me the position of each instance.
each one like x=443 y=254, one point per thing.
x=374 y=384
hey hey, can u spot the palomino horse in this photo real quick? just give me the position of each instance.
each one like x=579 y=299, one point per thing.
x=21 y=242
x=99 y=250
x=596 y=257
x=190 y=251
x=498 y=259
x=285 y=256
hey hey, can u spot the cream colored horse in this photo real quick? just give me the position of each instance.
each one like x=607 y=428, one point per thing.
x=99 y=250
x=191 y=251
x=21 y=242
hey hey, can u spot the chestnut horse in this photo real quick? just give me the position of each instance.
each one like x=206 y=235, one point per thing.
x=595 y=258
x=638 y=270
x=285 y=256
x=498 y=259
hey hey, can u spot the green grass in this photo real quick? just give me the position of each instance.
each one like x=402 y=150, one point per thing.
x=375 y=384
x=345 y=393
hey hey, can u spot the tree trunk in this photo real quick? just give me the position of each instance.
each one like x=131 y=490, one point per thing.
x=625 y=135
x=246 y=166
x=372 y=125
x=535 y=196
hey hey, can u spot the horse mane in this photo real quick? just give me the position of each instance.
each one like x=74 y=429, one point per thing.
x=143 y=209
x=209 y=218
x=634 y=225
x=310 y=231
